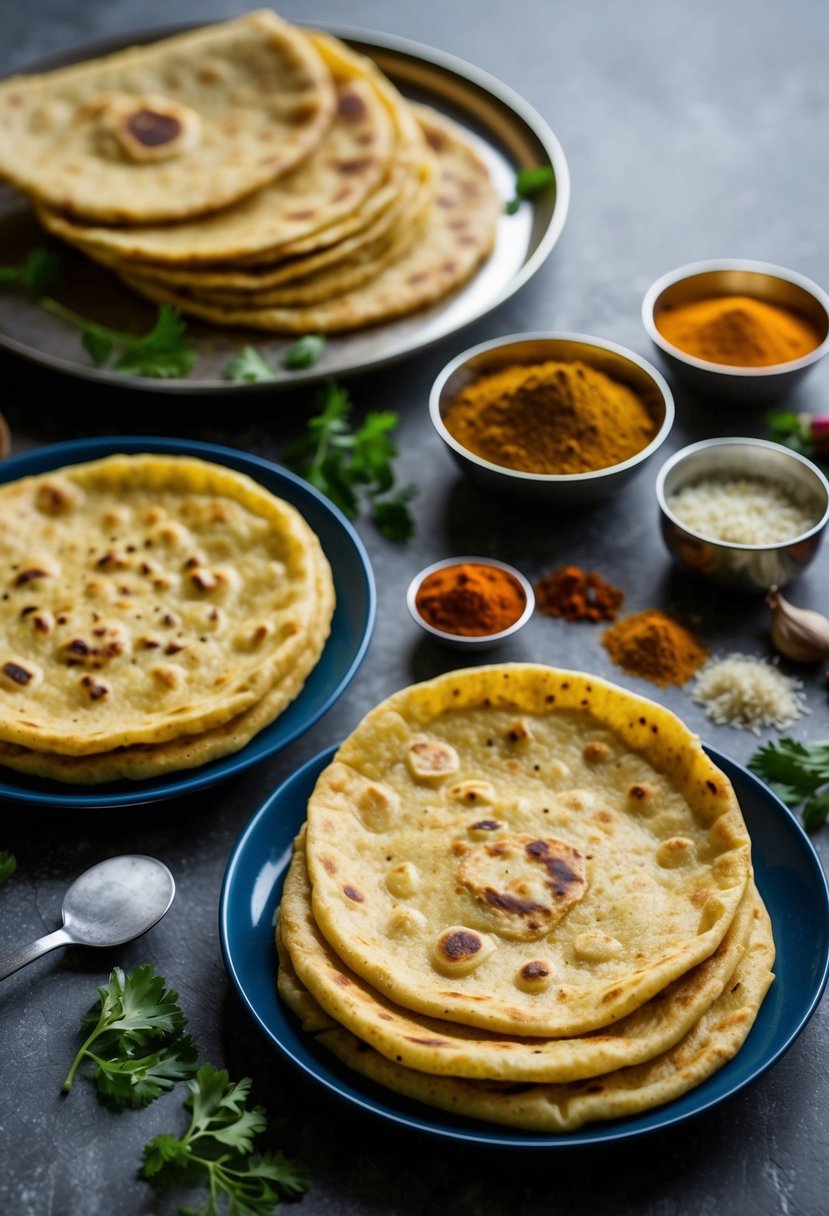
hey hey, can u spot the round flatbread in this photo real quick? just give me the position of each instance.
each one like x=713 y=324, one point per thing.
x=524 y=849
x=349 y=164
x=145 y=598
x=436 y=1046
x=175 y=129
x=142 y=761
x=714 y=1040
x=459 y=233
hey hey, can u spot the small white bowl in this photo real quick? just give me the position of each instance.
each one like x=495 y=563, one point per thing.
x=479 y=641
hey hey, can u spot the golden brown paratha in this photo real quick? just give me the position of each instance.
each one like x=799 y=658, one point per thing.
x=460 y=232
x=714 y=1040
x=347 y=167
x=146 y=598
x=523 y=849
x=444 y=1048
x=141 y=761
x=175 y=129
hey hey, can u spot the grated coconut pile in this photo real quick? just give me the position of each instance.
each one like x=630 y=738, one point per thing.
x=748 y=693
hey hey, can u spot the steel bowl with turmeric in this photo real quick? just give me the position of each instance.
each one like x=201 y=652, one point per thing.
x=739 y=330
x=556 y=417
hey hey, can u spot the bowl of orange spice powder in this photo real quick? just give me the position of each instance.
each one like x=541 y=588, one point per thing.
x=559 y=418
x=742 y=330
x=470 y=603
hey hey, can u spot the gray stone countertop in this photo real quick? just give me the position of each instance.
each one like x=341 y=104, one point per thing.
x=691 y=131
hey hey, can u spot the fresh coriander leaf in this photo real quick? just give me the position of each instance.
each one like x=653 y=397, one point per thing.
x=138 y=1079
x=305 y=352
x=216 y=1151
x=137 y=1030
x=161 y=353
x=249 y=367
x=42 y=273
x=803 y=767
x=816 y=810
x=797 y=773
x=792 y=430
x=529 y=182
x=393 y=516
x=96 y=344
x=374 y=452
x=39 y=274
x=346 y=464
x=8 y=865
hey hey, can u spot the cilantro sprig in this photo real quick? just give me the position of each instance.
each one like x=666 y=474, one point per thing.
x=161 y=353
x=805 y=433
x=8 y=865
x=217 y=1150
x=137 y=1043
x=350 y=465
x=529 y=182
x=250 y=367
x=799 y=774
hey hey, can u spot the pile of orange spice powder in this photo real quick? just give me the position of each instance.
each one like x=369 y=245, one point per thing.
x=574 y=594
x=654 y=646
x=738 y=330
x=550 y=417
x=470 y=599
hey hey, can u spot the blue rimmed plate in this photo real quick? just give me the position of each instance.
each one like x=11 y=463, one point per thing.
x=344 y=651
x=787 y=872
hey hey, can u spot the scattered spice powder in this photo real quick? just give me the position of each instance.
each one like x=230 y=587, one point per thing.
x=550 y=418
x=470 y=599
x=738 y=330
x=577 y=595
x=654 y=646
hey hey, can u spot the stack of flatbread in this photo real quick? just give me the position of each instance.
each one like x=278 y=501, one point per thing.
x=525 y=895
x=156 y=613
x=252 y=174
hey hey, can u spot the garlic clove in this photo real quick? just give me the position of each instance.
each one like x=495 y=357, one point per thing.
x=797 y=633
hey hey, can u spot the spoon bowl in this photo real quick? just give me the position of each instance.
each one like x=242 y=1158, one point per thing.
x=109 y=904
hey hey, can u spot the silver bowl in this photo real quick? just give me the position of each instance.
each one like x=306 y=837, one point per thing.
x=773 y=285
x=570 y=488
x=479 y=641
x=744 y=567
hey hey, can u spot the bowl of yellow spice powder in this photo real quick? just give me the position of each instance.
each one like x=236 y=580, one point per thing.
x=562 y=418
x=743 y=330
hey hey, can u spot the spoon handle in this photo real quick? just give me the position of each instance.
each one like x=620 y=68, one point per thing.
x=27 y=954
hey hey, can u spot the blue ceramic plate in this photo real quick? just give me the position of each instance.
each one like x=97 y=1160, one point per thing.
x=788 y=875
x=344 y=651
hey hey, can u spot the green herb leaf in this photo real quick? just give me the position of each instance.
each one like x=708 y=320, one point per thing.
x=8 y=865
x=393 y=515
x=797 y=773
x=529 y=182
x=816 y=810
x=161 y=353
x=249 y=367
x=216 y=1151
x=792 y=430
x=348 y=465
x=305 y=352
x=96 y=344
x=137 y=1030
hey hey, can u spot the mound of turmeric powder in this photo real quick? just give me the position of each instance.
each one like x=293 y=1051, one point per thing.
x=738 y=330
x=550 y=417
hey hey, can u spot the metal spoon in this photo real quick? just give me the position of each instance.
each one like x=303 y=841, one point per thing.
x=109 y=904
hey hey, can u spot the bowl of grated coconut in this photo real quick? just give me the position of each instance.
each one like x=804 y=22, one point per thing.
x=744 y=513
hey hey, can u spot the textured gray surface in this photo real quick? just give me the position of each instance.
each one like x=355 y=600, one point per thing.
x=692 y=131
